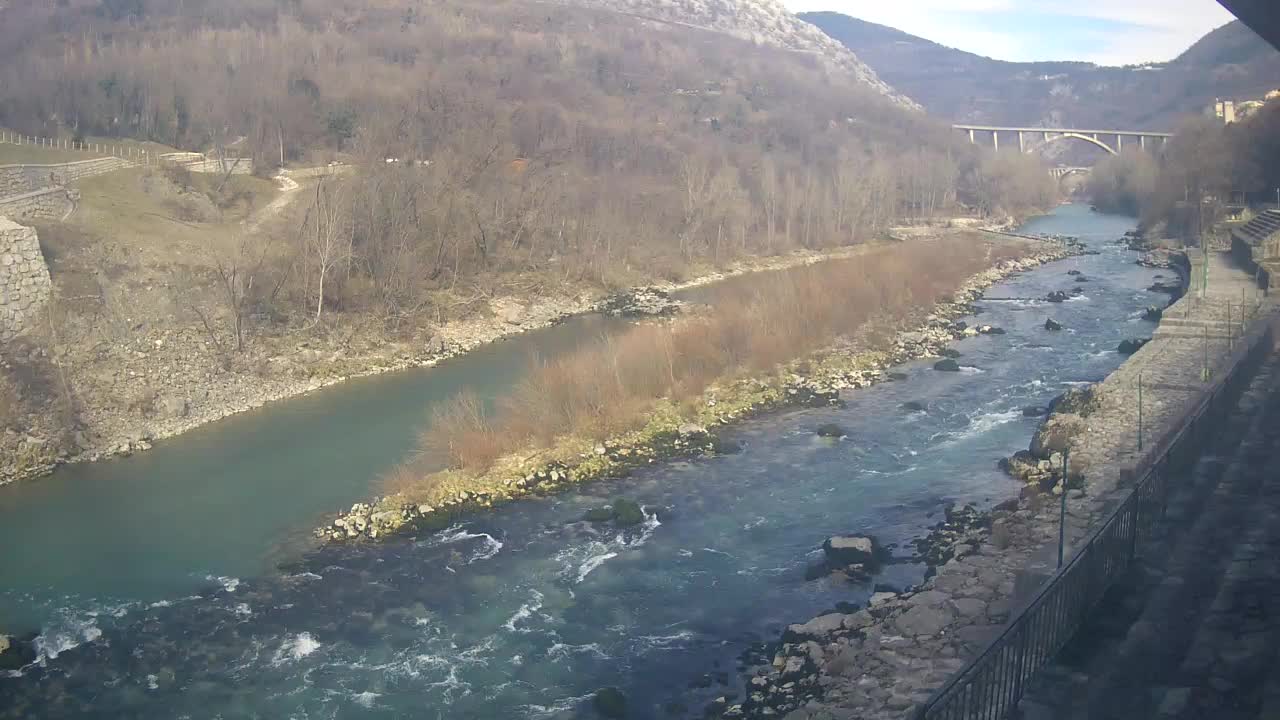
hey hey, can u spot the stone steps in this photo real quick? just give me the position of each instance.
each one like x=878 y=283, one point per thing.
x=1141 y=654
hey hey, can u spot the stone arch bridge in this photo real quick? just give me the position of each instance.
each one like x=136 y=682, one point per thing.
x=1112 y=141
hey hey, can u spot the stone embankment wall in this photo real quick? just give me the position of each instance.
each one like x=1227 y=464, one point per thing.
x=22 y=179
x=24 y=279
x=29 y=192
x=51 y=203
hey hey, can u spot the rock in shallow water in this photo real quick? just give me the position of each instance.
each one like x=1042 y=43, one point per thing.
x=947 y=365
x=854 y=550
x=610 y=703
x=1052 y=324
x=1129 y=347
x=831 y=430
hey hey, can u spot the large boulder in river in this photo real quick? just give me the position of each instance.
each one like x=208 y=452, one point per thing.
x=831 y=430
x=1052 y=324
x=622 y=513
x=17 y=652
x=1129 y=347
x=947 y=365
x=1080 y=401
x=861 y=550
x=1023 y=466
x=610 y=703
x=1056 y=435
x=627 y=512
x=1056 y=296
x=1152 y=314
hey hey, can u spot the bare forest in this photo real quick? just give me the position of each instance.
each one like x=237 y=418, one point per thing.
x=1219 y=164
x=501 y=143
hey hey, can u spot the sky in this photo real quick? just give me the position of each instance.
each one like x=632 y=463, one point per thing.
x=1107 y=32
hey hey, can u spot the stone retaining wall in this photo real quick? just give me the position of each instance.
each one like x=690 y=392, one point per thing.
x=51 y=203
x=24 y=279
x=22 y=179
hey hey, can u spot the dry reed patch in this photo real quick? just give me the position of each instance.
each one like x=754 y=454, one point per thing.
x=609 y=386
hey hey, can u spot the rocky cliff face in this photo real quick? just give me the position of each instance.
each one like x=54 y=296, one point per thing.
x=767 y=22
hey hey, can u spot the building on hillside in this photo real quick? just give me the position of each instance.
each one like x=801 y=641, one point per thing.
x=1256 y=245
x=1224 y=110
x=1229 y=111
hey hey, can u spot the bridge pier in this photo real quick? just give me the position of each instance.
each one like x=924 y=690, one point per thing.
x=995 y=140
x=1022 y=145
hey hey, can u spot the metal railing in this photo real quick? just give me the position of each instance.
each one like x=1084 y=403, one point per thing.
x=991 y=685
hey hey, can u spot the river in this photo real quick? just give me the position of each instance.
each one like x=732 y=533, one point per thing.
x=174 y=583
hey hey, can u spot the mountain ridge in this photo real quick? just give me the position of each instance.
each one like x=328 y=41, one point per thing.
x=1229 y=62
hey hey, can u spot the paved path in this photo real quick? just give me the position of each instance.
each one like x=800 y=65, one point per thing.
x=1195 y=631
x=1185 y=352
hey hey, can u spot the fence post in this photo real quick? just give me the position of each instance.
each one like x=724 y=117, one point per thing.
x=1204 y=372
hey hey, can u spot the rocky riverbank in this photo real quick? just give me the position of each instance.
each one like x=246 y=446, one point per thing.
x=886 y=659
x=165 y=380
x=669 y=434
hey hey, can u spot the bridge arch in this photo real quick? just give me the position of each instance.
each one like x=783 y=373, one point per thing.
x=1079 y=136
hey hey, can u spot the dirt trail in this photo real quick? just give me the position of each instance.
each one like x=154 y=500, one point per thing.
x=288 y=192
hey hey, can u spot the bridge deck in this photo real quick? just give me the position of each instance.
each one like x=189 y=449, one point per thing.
x=1001 y=128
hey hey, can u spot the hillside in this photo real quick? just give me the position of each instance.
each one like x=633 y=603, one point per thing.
x=767 y=22
x=505 y=162
x=1230 y=62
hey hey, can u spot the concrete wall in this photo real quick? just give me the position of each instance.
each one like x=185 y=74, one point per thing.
x=201 y=163
x=235 y=166
x=48 y=204
x=24 y=279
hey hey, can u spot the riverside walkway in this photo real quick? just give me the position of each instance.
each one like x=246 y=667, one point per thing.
x=1192 y=351
x=1194 y=630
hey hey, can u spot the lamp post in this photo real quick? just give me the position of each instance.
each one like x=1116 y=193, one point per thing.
x=1062 y=508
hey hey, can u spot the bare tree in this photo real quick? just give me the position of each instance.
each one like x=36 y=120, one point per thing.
x=327 y=237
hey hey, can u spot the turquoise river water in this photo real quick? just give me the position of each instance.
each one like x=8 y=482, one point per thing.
x=177 y=583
